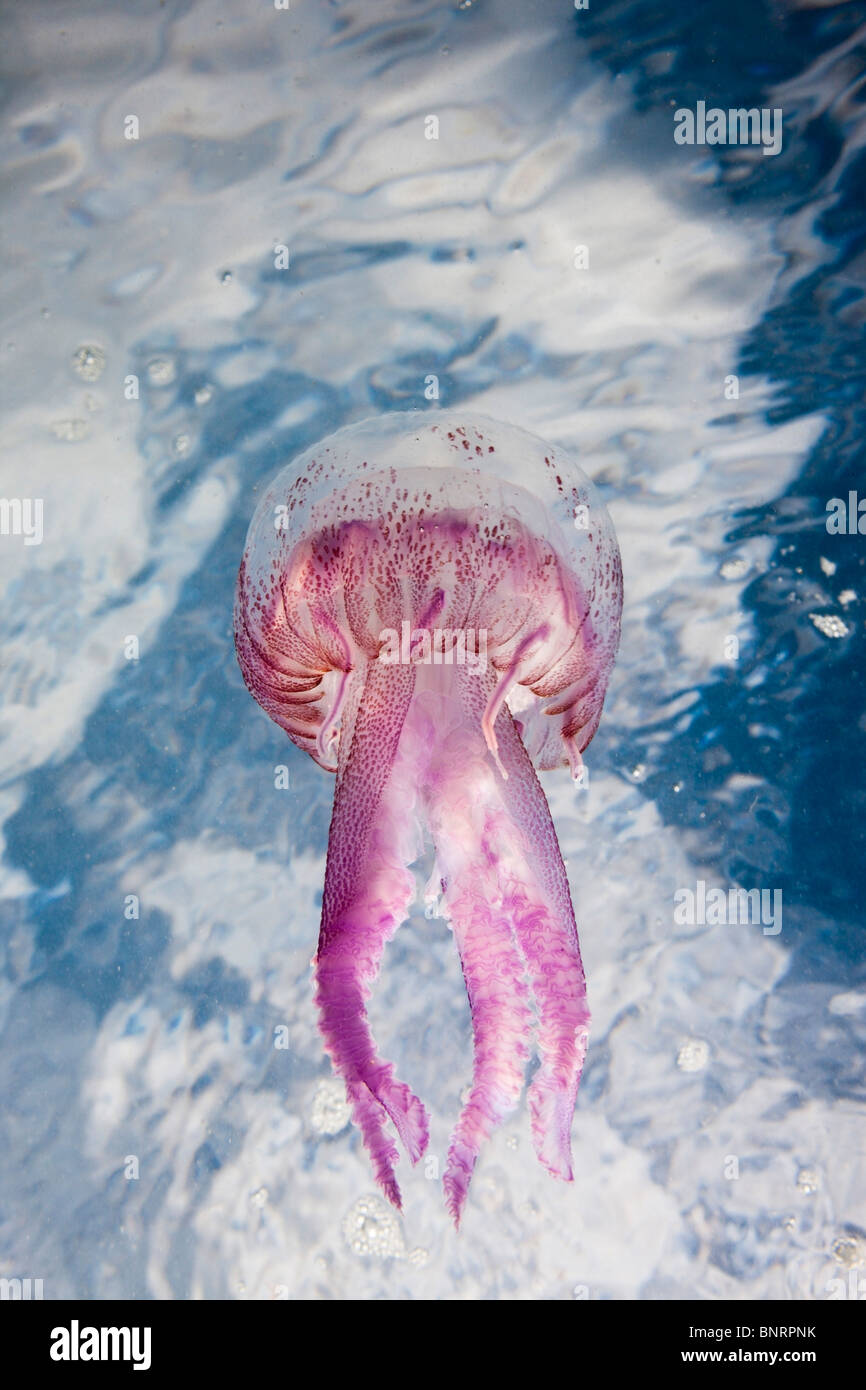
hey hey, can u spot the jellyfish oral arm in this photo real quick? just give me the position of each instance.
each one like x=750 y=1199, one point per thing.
x=536 y=901
x=469 y=829
x=547 y=935
x=413 y=747
x=367 y=893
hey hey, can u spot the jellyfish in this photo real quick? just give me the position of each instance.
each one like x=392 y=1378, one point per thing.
x=429 y=605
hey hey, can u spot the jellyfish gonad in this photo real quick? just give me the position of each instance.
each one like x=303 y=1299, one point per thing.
x=430 y=607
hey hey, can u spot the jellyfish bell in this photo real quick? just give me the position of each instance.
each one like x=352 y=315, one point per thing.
x=372 y=531
x=429 y=605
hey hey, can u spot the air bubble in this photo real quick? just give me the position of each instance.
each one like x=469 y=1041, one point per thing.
x=161 y=371
x=849 y=1251
x=372 y=1228
x=734 y=569
x=70 y=431
x=331 y=1111
x=693 y=1055
x=829 y=624
x=89 y=362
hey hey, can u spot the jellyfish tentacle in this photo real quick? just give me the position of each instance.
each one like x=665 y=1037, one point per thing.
x=468 y=830
x=501 y=1023
x=546 y=933
x=328 y=727
x=367 y=893
x=575 y=760
x=497 y=699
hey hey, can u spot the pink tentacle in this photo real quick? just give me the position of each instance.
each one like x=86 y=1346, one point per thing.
x=469 y=828
x=367 y=893
x=497 y=699
x=501 y=1023
x=546 y=932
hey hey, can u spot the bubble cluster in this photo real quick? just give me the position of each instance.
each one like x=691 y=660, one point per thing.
x=88 y=362
x=161 y=371
x=849 y=1251
x=734 y=568
x=372 y=1228
x=331 y=1111
x=693 y=1055
x=829 y=624
x=70 y=431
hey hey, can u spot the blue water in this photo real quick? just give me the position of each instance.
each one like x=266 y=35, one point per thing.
x=153 y=1141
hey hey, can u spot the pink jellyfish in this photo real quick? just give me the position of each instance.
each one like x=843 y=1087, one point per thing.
x=430 y=607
